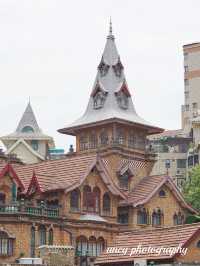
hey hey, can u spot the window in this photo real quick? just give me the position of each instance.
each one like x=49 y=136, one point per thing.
x=142 y=216
x=6 y=244
x=96 y=195
x=124 y=180
x=106 y=204
x=93 y=141
x=32 y=244
x=186 y=68
x=34 y=145
x=123 y=215
x=185 y=55
x=88 y=199
x=178 y=218
x=75 y=200
x=186 y=94
x=181 y=163
x=27 y=129
x=2 y=198
x=157 y=218
x=50 y=240
x=186 y=81
x=82 y=246
x=92 y=247
x=42 y=235
x=195 y=105
x=131 y=140
x=103 y=138
x=83 y=142
x=187 y=107
x=120 y=138
x=162 y=193
x=14 y=192
x=198 y=244
x=100 y=245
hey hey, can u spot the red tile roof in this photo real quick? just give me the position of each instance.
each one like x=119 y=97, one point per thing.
x=155 y=238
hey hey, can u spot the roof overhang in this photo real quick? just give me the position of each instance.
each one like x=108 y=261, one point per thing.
x=73 y=129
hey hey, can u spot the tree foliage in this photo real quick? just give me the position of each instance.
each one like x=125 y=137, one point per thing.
x=191 y=188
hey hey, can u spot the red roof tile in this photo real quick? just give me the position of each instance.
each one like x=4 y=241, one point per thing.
x=155 y=238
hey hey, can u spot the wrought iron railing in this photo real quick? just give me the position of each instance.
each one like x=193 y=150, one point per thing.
x=16 y=208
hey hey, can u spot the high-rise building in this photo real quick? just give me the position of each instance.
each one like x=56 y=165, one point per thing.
x=191 y=107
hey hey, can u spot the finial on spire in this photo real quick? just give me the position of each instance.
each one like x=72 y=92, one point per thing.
x=110 y=35
x=110 y=29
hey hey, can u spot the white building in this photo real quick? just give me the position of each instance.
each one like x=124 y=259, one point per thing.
x=28 y=141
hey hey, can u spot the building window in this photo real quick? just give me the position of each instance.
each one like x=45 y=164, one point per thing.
x=106 y=204
x=97 y=197
x=186 y=94
x=157 y=218
x=124 y=180
x=131 y=140
x=186 y=68
x=42 y=235
x=181 y=163
x=83 y=142
x=162 y=193
x=50 y=240
x=92 y=247
x=92 y=141
x=195 y=105
x=178 y=218
x=27 y=129
x=120 y=137
x=143 y=216
x=123 y=215
x=2 y=198
x=75 y=200
x=198 y=244
x=103 y=138
x=6 y=244
x=34 y=145
x=186 y=81
x=82 y=246
x=32 y=253
x=185 y=55
x=14 y=192
x=100 y=245
x=187 y=107
x=88 y=199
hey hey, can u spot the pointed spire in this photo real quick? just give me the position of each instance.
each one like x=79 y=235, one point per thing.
x=110 y=35
x=28 y=120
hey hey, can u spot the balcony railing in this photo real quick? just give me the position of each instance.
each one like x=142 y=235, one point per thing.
x=16 y=208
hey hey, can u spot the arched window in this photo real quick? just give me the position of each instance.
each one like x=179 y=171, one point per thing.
x=162 y=193
x=198 y=244
x=2 y=198
x=103 y=137
x=93 y=141
x=124 y=180
x=100 y=245
x=14 y=192
x=88 y=201
x=27 y=129
x=34 y=144
x=32 y=244
x=106 y=204
x=157 y=217
x=6 y=244
x=92 y=247
x=143 y=216
x=82 y=246
x=96 y=195
x=75 y=200
x=178 y=218
x=50 y=240
x=42 y=235
x=123 y=215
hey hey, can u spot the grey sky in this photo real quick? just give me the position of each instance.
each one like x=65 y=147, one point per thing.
x=50 y=49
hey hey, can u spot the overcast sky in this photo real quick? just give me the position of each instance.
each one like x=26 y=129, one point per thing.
x=50 y=49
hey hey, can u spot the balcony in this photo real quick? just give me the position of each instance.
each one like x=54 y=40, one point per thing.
x=17 y=208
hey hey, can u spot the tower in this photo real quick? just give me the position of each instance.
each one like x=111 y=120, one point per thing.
x=110 y=123
x=28 y=141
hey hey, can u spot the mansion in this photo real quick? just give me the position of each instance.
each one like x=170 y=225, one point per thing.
x=102 y=194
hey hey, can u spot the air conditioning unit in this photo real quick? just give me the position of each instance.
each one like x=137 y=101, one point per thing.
x=140 y=262
x=35 y=261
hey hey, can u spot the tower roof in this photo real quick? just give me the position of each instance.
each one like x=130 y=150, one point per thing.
x=27 y=128
x=110 y=98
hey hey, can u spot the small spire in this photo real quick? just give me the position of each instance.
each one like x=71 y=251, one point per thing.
x=110 y=35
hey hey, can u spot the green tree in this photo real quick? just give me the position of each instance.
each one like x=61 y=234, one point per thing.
x=191 y=188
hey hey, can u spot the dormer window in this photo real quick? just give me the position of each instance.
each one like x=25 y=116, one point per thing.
x=27 y=129
x=122 y=100
x=103 y=68
x=124 y=180
x=118 y=68
x=99 y=96
x=162 y=193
